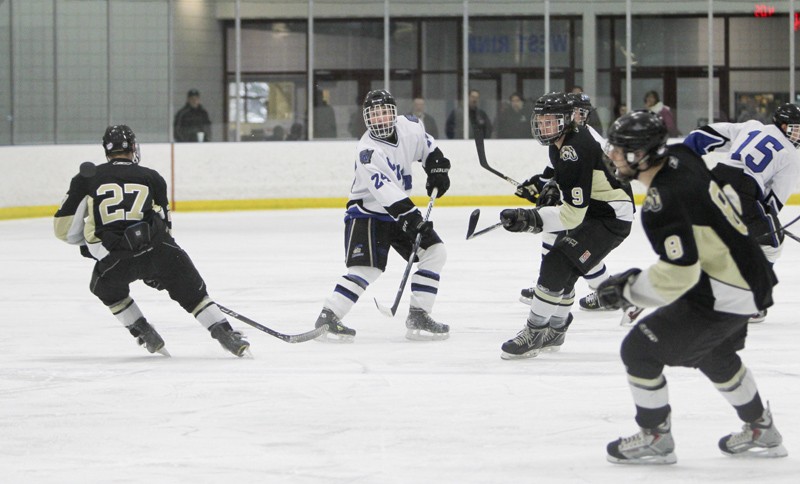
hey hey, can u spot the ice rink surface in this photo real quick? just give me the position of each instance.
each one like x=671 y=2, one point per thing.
x=80 y=402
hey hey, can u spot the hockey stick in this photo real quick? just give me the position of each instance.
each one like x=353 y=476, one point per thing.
x=482 y=156
x=289 y=338
x=390 y=312
x=473 y=222
x=790 y=235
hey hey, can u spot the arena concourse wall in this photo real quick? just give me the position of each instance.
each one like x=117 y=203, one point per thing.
x=261 y=175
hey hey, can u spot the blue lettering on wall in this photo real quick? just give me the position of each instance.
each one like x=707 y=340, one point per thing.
x=523 y=44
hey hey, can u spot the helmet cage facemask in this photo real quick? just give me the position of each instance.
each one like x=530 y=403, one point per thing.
x=793 y=133
x=381 y=120
x=542 y=130
x=581 y=115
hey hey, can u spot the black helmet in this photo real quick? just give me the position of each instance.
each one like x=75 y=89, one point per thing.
x=380 y=113
x=582 y=105
x=557 y=104
x=788 y=114
x=120 y=139
x=640 y=131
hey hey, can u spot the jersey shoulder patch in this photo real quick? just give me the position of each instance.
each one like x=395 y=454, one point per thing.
x=652 y=202
x=568 y=153
x=365 y=156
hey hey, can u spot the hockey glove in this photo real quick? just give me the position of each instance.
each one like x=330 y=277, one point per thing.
x=610 y=291
x=521 y=220
x=550 y=195
x=437 y=169
x=529 y=189
x=412 y=224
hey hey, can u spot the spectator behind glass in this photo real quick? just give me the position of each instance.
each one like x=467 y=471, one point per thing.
x=192 y=123
x=513 y=121
x=296 y=133
x=324 y=117
x=477 y=117
x=653 y=103
x=593 y=119
x=418 y=110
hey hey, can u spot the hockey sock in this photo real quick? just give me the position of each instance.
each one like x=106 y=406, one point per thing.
x=596 y=275
x=559 y=318
x=741 y=392
x=126 y=311
x=349 y=288
x=207 y=313
x=425 y=281
x=651 y=397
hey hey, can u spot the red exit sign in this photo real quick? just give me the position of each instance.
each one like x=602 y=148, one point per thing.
x=762 y=10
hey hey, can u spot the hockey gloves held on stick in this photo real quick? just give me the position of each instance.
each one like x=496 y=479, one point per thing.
x=437 y=167
x=521 y=220
x=610 y=291
x=412 y=224
x=529 y=189
x=550 y=195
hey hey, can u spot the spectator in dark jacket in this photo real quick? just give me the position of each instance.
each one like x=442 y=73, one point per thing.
x=477 y=117
x=513 y=121
x=192 y=123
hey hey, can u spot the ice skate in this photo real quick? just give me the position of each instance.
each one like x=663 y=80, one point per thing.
x=231 y=340
x=629 y=316
x=526 y=295
x=757 y=439
x=554 y=337
x=337 y=332
x=526 y=344
x=758 y=317
x=147 y=336
x=592 y=303
x=422 y=327
x=646 y=447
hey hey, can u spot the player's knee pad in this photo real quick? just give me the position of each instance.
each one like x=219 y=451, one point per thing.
x=433 y=258
x=368 y=274
x=637 y=354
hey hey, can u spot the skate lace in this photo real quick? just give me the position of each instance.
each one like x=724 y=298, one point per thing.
x=524 y=337
x=746 y=436
x=638 y=439
x=591 y=299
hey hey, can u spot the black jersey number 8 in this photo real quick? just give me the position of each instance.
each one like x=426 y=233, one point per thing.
x=111 y=208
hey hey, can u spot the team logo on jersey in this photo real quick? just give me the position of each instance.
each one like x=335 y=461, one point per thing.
x=568 y=153
x=365 y=156
x=584 y=257
x=652 y=202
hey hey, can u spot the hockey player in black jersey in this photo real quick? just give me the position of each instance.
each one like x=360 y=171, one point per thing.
x=536 y=190
x=709 y=277
x=118 y=213
x=381 y=216
x=594 y=217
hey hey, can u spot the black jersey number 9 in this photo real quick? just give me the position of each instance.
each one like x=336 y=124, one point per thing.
x=112 y=208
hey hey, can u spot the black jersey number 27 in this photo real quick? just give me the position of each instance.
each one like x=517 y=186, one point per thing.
x=114 y=207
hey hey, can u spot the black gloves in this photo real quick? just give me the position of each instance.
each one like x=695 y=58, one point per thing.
x=550 y=195
x=609 y=292
x=521 y=220
x=413 y=224
x=529 y=189
x=437 y=167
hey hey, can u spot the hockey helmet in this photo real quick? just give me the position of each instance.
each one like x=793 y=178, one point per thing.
x=120 y=139
x=380 y=113
x=552 y=115
x=582 y=107
x=788 y=114
x=641 y=136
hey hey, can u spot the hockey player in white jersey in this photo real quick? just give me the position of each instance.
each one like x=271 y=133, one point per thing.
x=762 y=166
x=380 y=216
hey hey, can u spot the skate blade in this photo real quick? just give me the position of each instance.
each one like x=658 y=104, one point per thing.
x=551 y=349
x=328 y=337
x=421 y=335
x=525 y=300
x=523 y=356
x=598 y=310
x=760 y=453
x=654 y=460
x=757 y=320
x=247 y=354
x=629 y=317
x=163 y=351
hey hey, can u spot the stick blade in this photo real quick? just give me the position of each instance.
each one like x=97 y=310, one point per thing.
x=388 y=312
x=473 y=222
x=307 y=336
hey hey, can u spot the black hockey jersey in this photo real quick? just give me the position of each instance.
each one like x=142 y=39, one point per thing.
x=705 y=253
x=98 y=209
x=587 y=187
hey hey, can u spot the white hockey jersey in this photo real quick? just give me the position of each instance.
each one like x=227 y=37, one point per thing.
x=762 y=151
x=383 y=168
